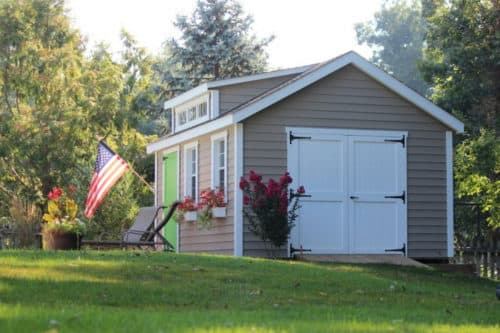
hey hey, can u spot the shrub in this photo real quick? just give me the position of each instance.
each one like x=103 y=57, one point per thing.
x=270 y=208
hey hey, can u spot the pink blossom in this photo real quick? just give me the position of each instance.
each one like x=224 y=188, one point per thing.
x=244 y=184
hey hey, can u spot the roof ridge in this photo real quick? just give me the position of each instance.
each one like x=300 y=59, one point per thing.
x=314 y=68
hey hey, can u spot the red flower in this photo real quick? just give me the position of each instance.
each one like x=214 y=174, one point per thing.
x=254 y=177
x=286 y=179
x=301 y=190
x=246 y=200
x=55 y=194
x=72 y=188
x=244 y=184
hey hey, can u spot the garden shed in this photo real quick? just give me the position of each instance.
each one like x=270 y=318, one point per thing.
x=374 y=156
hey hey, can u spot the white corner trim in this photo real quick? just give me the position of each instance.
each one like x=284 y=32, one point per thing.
x=189 y=134
x=449 y=194
x=238 y=194
x=214 y=104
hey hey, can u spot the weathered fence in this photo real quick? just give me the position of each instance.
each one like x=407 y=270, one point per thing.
x=475 y=243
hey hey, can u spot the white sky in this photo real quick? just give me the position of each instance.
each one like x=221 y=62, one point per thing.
x=306 y=31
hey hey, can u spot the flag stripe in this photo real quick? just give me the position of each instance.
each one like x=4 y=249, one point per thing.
x=109 y=167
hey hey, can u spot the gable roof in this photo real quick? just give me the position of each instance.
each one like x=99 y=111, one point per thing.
x=204 y=87
x=308 y=76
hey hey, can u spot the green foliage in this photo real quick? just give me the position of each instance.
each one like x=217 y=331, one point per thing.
x=477 y=173
x=117 y=212
x=462 y=60
x=215 y=43
x=396 y=36
x=55 y=103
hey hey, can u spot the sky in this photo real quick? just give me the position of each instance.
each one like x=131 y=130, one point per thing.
x=306 y=31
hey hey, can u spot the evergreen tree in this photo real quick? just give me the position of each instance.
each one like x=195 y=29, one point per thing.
x=216 y=42
x=396 y=36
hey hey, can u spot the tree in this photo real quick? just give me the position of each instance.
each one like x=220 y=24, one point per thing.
x=215 y=43
x=55 y=104
x=396 y=35
x=477 y=173
x=462 y=60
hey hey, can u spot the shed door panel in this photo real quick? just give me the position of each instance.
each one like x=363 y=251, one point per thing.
x=375 y=172
x=321 y=165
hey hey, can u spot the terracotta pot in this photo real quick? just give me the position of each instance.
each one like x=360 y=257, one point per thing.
x=60 y=241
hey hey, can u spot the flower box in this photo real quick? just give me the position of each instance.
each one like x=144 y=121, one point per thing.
x=218 y=212
x=190 y=216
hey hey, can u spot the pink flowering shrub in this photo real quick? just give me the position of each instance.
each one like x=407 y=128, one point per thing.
x=269 y=208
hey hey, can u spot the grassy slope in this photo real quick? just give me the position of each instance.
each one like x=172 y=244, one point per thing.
x=156 y=292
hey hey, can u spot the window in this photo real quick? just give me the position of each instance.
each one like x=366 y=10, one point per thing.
x=191 y=170
x=191 y=114
x=219 y=162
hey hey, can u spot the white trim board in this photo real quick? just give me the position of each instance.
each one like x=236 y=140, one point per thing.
x=449 y=194
x=238 y=194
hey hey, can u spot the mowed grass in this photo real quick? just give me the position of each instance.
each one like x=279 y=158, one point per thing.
x=156 y=292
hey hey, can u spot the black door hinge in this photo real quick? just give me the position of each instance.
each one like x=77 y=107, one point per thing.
x=292 y=137
x=402 y=249
x=401 y=141
x=402 y=197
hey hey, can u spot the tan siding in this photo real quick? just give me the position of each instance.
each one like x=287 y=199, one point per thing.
x=219 y=238
x=350 y=99
x=234 y=95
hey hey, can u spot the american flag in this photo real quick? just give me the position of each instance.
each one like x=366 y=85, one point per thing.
x=109 y=167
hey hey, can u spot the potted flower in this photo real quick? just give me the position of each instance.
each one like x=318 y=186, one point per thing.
x=62 y=228
x=214 y=201
x=188 y=209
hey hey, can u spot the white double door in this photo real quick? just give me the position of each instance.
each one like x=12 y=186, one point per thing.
x=355 y=183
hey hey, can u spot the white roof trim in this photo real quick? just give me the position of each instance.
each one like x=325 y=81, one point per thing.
x=287 y=89
x=184 y=97
x=366 y=67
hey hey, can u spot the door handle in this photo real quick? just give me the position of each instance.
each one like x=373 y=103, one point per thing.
x=353 y=197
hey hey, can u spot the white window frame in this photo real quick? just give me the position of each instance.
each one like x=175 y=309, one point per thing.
x=215 y=139
x=184 y=108
x=187 y=170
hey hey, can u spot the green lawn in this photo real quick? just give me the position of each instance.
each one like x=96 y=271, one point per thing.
x=157 y=292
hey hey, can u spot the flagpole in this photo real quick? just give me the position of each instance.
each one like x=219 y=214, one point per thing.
x=141 y=178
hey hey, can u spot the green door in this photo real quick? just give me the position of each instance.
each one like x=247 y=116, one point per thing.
x=170 y=193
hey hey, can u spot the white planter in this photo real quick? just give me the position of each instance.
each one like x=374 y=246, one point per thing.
x=190 y=216
x=218 y=212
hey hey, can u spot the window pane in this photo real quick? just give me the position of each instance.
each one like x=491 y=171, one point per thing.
x=191 y=114
x=202 y=109
x=193 y=162
x=193 y=187
x=182 y=118
x=222 y=173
